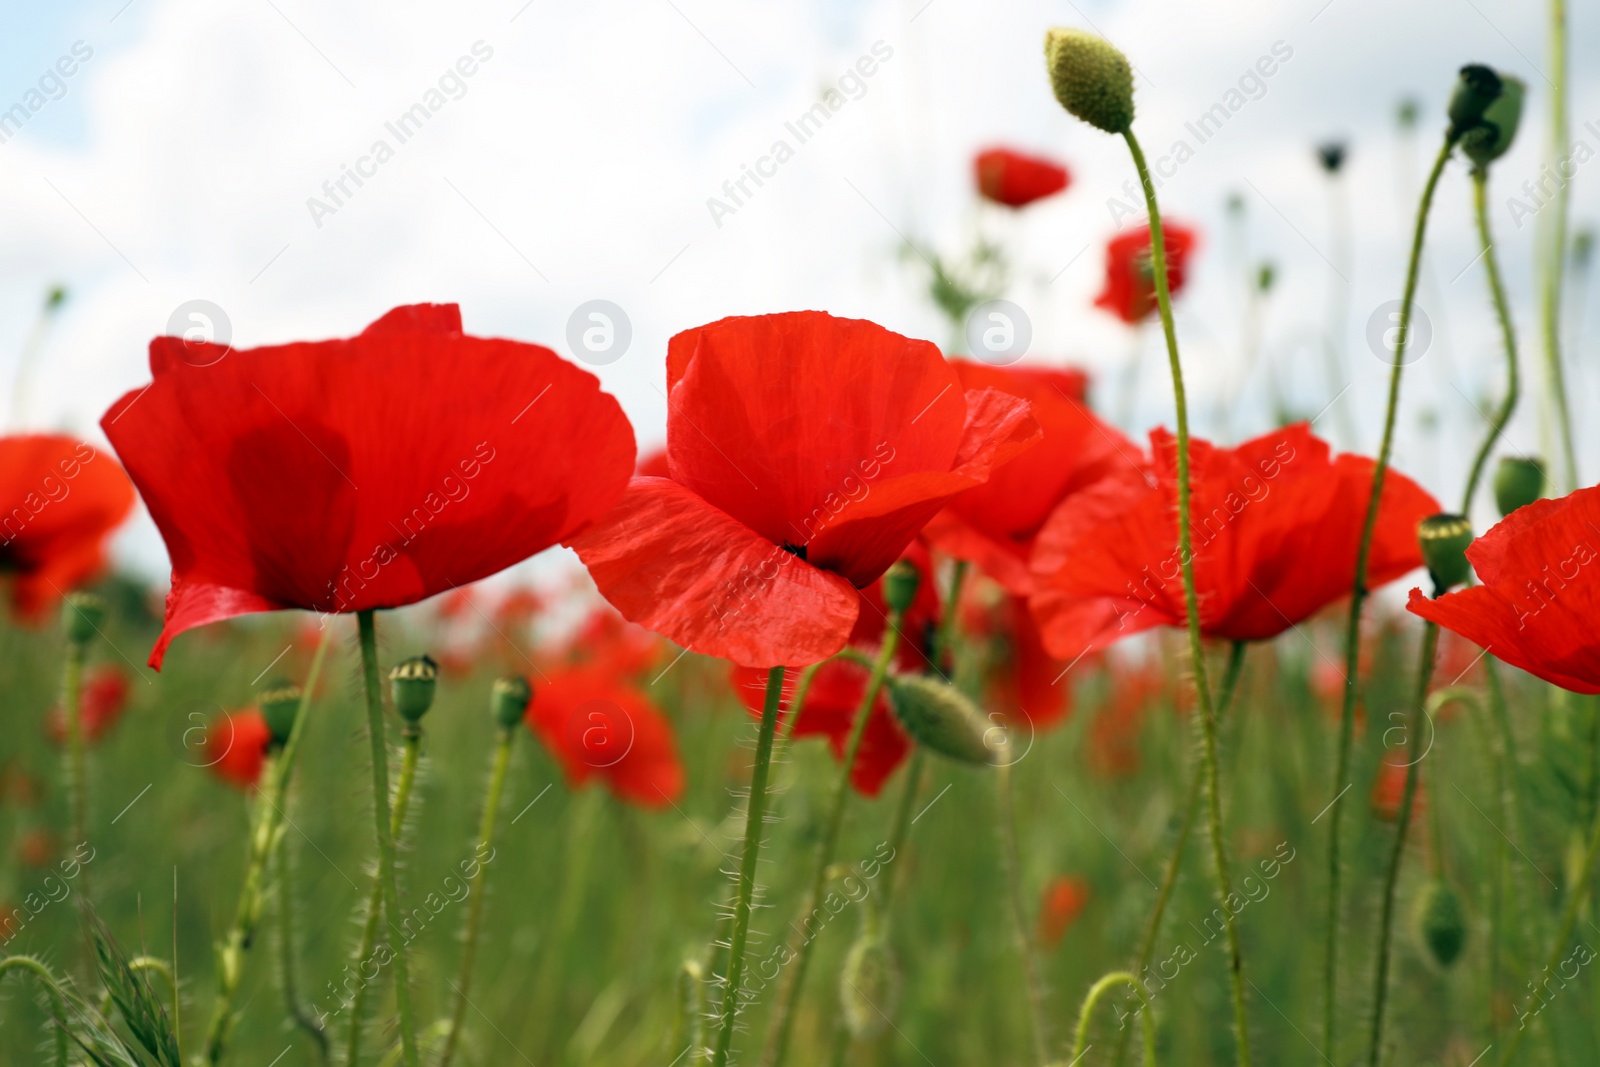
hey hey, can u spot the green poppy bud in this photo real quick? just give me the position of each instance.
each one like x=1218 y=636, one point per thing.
x=1331 y=154
x=900 y=585
x=869 y=986
x=1518 y=482
x=1444 y=540
x=509 y=699
x=1476 y=88
x=411 y=684
x=1266 y=274
x=940 y=717
x=1441 y=922
x=280 y=705
x=1092 y=80
x=82 y=617
x=1492 y=138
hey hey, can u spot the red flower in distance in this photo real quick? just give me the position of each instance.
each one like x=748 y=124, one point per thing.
x=1540 y=596
x=1064 y=900
x=805 y=453
x=1389 y=788
x=993 y=525
x=596 y=726
x=373 y=472
x=837 y=688
x=1130 y=289
x=1276 y=523
x=1015 y=179
x=60 y=498
x=105 y=697
x=236 y=747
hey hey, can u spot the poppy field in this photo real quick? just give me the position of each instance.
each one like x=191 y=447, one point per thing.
x=890 y=700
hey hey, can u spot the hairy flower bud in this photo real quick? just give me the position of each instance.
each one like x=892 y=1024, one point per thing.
x=411 y=684
x=940 y=717
x=900 y=585
x=1518 y=482
x=1091 y=79
x=1441 y=922
x=1492 y=137
x=280 y=705
x=869 y=986
x=1444 y=540
x=509 y=699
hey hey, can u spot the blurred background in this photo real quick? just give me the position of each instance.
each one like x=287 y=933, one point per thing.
x=181 y=159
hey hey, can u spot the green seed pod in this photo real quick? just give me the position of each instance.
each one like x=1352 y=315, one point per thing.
x=869 y=987
x=1444 y=540
x=939 y=716
x=1475 y=89
x=900 y=584
x=1441 y=922
x=411 y=684
x=509 y=700
x=1518 y=482
x=1492 y=138
x=82 y=618
x=280 y=704
x=1091 y=79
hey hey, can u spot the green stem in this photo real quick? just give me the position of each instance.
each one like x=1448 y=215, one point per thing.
x=1552 y=277
x=480 y=882
x=1508 y=335
x=58 y=999
x=385 y=835
x=1358 y=596
x=781 y=1024
x=77 y=767
x=286 y=960
x=944 y=640
x=1208 y=724
x=899 y=830
x=1093 y=997
x=1011 y=866
x=1414 y=749
x=755 y=816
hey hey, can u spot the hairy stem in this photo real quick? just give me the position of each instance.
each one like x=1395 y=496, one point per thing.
x=1092 y=998
x=1508 y=335
x=1011 y=865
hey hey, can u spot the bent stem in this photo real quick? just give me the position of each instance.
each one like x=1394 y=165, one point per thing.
x=1358 y=596
x=1415 y=752
x=480 y=881
x=58 y=999
x=1092 y=998
x=755 y=816
x=1208 y=723
x=1552 y=276
x=788 y=996
x=1480 y=207
x=385 y=835
x=1019 y=918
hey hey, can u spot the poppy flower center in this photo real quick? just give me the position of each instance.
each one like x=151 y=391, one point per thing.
x=795 y=550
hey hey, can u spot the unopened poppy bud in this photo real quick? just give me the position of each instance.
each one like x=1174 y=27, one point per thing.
x=1441 y=922
x=1266 y=274
x=411 y=684
x=509 y=699
x=869 y=986
x=82 y=618
x=900 y=585
x=1476 y=88
x=1518 y=482
x=940 y=717
x=1331 y=154
x=1091 y=79
x=1444 y=540
x=280 y=705
x=1492 y=138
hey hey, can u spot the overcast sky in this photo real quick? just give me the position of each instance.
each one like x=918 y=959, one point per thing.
x=576 y=162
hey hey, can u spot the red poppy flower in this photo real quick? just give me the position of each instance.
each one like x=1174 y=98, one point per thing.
x=1276 y=523
x=1389 y=788
x=994 y=524
x=1130 y=290
x=236 y=747
x=1539 y=598
x=596 y=726
x=1017 y=180
x=1114 y=750
x=105 y=696
x=36 y=848
x=59 y=500
x=1028 y=677
x=611 y=643
x=806 y=452
x=838 y=687
x=519 y=606
x=1064 y=900
x=342 y=476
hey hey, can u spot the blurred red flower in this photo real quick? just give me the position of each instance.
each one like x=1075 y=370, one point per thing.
x=1388 y=789
x=60 y=498
x=236 y=747
x=1130 y=288
x=36 y=848
x=105 y=697
x=805 y=454
x=341 y=476
x=1016 y=179
x=1064 y=900
x=1114 y=735
x=611 y=643
x=596 y=726
x=993 y=525
x=1276 y=525
x=1539 y=598
x=1028 y=677
x=838 y=687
